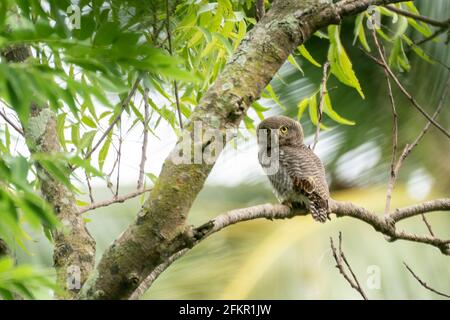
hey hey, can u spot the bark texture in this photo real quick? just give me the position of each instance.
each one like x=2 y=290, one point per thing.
x=147 y=242
x=74 y=248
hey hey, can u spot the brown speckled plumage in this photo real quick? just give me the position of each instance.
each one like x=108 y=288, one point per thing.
x=300 y=179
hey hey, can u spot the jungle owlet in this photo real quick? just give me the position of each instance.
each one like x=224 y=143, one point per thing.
x=299 y=178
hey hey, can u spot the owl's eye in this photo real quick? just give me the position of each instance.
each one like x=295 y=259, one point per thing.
x=284 y=129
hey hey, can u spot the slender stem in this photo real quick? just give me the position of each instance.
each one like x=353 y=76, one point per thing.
x=10 y=122
x=424 y=284
x=323 y=92
x=433 y=22
x=175 y=84
x=339 y=257
x=119 y=158
x=384 y=64
x=88 y=181
x=140 y=183
x=393 y=172
x=114 y=200
x=124 y=104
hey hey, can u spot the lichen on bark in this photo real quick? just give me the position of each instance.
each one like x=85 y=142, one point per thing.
x=74 y=247
x=161 y=221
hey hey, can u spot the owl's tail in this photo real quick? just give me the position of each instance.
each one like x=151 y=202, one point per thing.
x=318 y=207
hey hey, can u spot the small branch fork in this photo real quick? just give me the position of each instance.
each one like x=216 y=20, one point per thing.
x=342 y=264
x=382 y=62
x=395 y=166
x=124 y=104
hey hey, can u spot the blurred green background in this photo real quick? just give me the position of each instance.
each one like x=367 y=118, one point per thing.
x=291 y=259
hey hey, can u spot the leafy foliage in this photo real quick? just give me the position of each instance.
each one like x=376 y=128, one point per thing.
x=86 y=55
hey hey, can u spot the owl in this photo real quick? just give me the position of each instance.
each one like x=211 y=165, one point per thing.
x=298 y=178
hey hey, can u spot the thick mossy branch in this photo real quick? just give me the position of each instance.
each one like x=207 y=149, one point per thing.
x=146 y=243
x=382 y=224
x=74 y=248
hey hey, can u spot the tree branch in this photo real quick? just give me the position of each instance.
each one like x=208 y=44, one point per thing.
x=323 y=91
x=74 y=247
x=424 y=284
x=260 y=54
x=116 y=199
x=11 y=123
x=140 y=183
x=123 y=104
x=382 y=62
x=384 y=225
x=175 y=84
x=339 y=257
x=433 y=22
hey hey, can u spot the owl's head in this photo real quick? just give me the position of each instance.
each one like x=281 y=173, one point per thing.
x=289 y=132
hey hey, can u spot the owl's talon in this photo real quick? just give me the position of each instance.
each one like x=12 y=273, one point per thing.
x=288 y=204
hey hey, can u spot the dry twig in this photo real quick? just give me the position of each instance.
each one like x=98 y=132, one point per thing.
x=340 y=259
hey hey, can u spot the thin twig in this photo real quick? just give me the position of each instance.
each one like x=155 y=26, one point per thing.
x=114 y=200
x=384 y=64
x=430 y=37
x=339 y=257
x=140 y=183
x=124 y=104
x=88 y=181
x=393 y=173
x=147 y=283
x=11 y=123
x=431 y=21
x=430 y=229
x=409 y=147
x=323 y=92
x=175 y=84
x=424 y=284
x=119 y=158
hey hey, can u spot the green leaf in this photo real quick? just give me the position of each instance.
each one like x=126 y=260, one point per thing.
x=7 y=137
x=305 y=53
x=60 y=124
x=422 y=54
x=401 y=26
x=328 y=110
x=89 y=122
x=107 y=33
x=341 y=65
x=360 y=33
x=75 y=134
x=86 y=139
x=312 y=103
x=398 y=58
x=292 y=61
x=301 y=106
x=104 y=151
x=274 y=97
